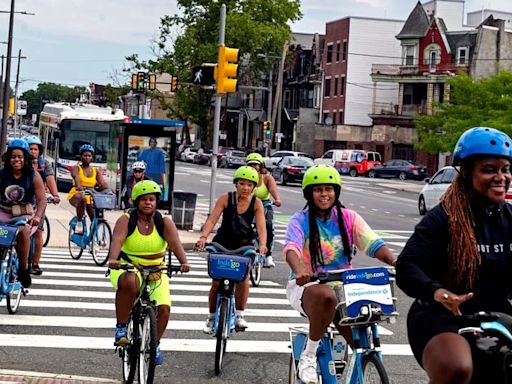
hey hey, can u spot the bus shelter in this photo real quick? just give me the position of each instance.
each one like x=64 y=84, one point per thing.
x=154 y=142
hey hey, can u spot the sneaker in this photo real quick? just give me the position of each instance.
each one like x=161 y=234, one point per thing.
x=307 y=369
x=269 y=262
x=24 y=278
x=240 y=324
x=159 y=358
x=121 y=338
x=79 y=228
x=208 y=326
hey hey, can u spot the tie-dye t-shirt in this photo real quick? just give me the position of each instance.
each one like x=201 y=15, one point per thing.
x=359 y=233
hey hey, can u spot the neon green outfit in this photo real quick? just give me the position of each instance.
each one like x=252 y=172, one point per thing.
x=262 y=192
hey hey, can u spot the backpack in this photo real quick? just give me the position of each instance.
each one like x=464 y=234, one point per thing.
x=134 y=216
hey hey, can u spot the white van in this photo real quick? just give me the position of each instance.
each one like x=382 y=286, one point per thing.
x=354 y=162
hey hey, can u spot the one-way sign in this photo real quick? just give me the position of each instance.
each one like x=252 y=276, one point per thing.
x=203 y=75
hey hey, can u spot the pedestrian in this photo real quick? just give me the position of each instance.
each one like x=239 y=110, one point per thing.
x=459 y=259
x=155 y=162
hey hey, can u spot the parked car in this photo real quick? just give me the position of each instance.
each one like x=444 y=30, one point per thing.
x=271 y=162
x=232 y=159
x=204 y=157
x=402 y=169
x=188 y=154
x=180 y=152
x=291 y=169
x=434 y=187
x=354 y=162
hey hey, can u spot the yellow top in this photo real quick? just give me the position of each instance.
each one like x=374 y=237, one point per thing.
x=87 y=182
x=261 y=191
x=138 y=244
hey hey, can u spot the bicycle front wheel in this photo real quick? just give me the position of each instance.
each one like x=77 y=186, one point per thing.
x=46 y=231
x=147 y=347
x=373 y=370
x=222 y=335
x=75 y=250
x=292 y=371
x=255 y=273
x=130 y=352
x=101 y=243
x=13 y=298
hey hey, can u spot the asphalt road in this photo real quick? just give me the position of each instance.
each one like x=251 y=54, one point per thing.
x=66 y=323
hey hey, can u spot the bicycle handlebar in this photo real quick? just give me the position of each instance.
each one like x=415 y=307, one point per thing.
x=148 y=269
x=473 y=320
x=216 y=247
x=336 y=275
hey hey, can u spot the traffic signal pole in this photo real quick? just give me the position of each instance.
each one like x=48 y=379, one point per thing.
x=216 y=123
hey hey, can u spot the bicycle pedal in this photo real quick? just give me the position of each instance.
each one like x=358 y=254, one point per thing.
x=24 y=291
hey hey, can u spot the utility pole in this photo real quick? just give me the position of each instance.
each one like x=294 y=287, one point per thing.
x=279 y=95
x=5 y=111
x=15 y=124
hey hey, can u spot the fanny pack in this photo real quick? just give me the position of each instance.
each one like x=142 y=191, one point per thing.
x=153 y=276
x=19 y=209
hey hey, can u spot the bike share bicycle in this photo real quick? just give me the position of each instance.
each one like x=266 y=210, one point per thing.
x=228 y=267
x=260 y=261
x=99 y=234
x=365 y=298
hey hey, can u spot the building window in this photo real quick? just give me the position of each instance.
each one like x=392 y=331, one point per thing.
x=327 y=91
x=335 y=86
x=326 y=115
x=408 y=54
x=344 y=51
x=338 y=48
x=462 y=56
x=432 y=55
x=341 y=118
x=316 y=97
x=329 y=53
x=342 y=88
x=334 y=117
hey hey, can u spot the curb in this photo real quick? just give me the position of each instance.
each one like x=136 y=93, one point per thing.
x=52 y=376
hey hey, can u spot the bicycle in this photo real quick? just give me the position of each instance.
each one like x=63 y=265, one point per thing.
x=46 y=222
x=99 y=234
x=142 y=334
x=10 y=287
x=259 y=260
x=227 y=267
x=365 y=298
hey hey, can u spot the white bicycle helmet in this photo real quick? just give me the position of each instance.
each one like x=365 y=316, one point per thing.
x=139 y=165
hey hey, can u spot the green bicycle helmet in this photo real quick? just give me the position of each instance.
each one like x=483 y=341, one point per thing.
x=255 y=158
x=146 y=187
x=320 y=174
x=247 y=173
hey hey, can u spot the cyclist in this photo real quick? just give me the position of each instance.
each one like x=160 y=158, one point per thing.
x=238 y=210
x=20 y=185
x=84 y=177
x=138 y=169
x=322 y=237
x=144 y=246
x=459 y=258
x=44 y=168
x=266 y=187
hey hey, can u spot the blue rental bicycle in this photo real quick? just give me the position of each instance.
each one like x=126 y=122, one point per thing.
x=365 y=298
x=259 y=260
x=227 y=267
x=99 y=235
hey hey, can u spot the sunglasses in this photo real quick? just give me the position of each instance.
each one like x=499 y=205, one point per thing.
x=138 y=171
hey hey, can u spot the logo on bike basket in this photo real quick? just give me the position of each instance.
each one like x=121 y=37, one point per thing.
x=7 y=234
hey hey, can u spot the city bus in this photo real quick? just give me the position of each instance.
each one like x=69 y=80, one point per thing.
x=64 y=128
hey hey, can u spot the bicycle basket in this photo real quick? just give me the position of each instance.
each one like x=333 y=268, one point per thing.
x=104 y=201
x=7 y=235
x=231 y=267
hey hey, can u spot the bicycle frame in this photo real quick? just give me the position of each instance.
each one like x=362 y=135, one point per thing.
x=5 y=267
x=225 y=291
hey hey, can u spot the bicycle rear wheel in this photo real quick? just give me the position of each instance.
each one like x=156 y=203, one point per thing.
x=255 y=273
x=46 y=231
x=222 y=334
x=292 y=371
x=130 y=352
x=100 y=244
x=74 y=250
x=147 y=347
x=13 y=298
x=373 y=370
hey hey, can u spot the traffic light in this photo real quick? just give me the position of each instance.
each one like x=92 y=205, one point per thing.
x=152 y=82
x=267 y=129
x=227 y=70
x=134 y=85
x=141 y=81
x=174 y=83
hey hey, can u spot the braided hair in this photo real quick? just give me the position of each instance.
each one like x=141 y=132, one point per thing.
x=315 y=249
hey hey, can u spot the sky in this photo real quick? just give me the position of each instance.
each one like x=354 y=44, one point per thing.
x=75 y=42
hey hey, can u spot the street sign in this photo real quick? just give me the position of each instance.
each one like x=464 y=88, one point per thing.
x=203 y=75
x=22 y=108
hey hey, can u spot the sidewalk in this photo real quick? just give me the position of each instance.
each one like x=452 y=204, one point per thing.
x=406 y=187
x=11 y=376
x=60 y=215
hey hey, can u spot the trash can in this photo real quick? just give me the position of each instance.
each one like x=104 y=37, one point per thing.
x=184 y=209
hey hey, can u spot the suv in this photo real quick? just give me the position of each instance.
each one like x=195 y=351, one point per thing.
x=355 y=162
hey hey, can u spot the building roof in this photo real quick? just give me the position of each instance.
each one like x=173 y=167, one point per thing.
x=461 y=39
x=416 y=24
x=305 y=40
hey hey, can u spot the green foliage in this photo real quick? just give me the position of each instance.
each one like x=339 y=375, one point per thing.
x=48 y=92
x=191 y=38
x=112 y=93
x=486 y=102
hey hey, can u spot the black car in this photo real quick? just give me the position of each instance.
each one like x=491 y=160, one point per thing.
x=402 y=169
x=291 y=169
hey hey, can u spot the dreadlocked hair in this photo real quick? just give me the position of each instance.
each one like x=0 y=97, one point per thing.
x=315 y=249
x=464 y=258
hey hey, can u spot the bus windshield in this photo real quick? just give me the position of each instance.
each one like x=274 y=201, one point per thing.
x=75 y=133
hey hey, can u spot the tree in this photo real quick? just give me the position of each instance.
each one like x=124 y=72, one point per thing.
x=50 y=92
x=191 y=38
x=486 y=102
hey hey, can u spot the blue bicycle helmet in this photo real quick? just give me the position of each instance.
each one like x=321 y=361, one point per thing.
x=482 y=141
x=18 y=144
x=33 y=140
x=86 y=148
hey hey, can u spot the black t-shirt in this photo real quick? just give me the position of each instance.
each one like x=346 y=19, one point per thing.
x=14 y=191
x=424 y=261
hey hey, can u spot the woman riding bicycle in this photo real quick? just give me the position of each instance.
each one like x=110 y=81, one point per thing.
x=238 y=210
x=138 y=169
x=266 y=187
x=84 y=177
x=44 y=168
x=319 y=238
x=459 y=258
x=145 y=246
x=20 y=186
